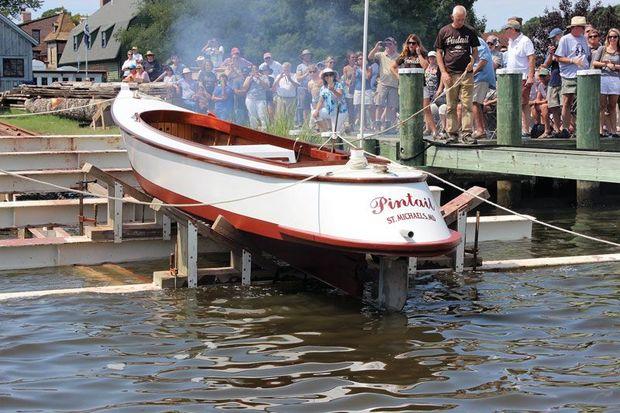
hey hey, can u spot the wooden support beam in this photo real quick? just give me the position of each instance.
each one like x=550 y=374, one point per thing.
x=466 y=201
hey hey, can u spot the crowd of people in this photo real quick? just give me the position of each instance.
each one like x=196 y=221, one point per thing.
x=459 y=74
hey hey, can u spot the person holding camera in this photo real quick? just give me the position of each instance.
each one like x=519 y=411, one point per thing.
x=554 y=87
x=256 y=86
x=285 y=88
x=386 y=98
x=331 y=105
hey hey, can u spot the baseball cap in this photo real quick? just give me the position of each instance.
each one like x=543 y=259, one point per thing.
x=543 y=71
x=390 y=39
x=555 y=32
x=234 y=50
x=512 y=24
x=432 y=53
x=149 y=53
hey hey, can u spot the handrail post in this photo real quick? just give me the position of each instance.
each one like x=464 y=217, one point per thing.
x=509 y=107
x=411 y=86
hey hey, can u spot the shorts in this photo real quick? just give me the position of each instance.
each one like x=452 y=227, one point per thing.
x=357 y=98
x=569 y=86
x=610 y=85
x=553 y=96
x=386 y=96
x=429 y=93
x=480 y=92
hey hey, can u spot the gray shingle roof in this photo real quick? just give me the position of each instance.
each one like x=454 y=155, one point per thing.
x=112 y=18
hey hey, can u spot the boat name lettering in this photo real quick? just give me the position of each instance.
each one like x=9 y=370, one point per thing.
x=379 y=204
x=409 y=216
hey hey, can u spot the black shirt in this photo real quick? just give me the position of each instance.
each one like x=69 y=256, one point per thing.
x=457 y=46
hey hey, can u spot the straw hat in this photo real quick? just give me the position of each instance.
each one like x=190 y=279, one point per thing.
x=578 y=21
x=327 y=71
x=186 y=70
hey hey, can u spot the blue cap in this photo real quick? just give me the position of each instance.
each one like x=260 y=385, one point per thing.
x=555 y=32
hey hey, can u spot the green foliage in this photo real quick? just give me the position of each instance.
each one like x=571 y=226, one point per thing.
x=52 y=125
x=11 y=8
x=601 y=17
x=53 y=12
x=284 y=27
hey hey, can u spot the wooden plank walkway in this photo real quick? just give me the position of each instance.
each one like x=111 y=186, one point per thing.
x=550 y=163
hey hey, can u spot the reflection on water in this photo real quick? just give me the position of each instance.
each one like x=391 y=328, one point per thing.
x=520 y=341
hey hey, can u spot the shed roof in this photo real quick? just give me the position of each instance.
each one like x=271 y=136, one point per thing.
x=112 y=17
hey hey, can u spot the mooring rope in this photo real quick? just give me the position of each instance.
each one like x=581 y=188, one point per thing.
x=503 y=208
x=48 y=112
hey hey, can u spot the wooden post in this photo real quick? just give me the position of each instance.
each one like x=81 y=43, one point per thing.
x=459 y=254
x=588 y=125
x=187 y=258
x=115 y=210
x=411 y=86
x=393 y=283
x=508 y=127
x=509 y=107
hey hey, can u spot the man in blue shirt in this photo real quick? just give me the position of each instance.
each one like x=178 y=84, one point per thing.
x=573 y=54
x=484 y=79
x=555 y=81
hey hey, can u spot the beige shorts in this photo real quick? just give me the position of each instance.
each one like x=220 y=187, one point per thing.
x=386 y=96
x=569 y=86
x=480 y=92
x=553 y=96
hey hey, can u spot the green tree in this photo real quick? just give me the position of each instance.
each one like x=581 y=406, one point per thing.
x=53 y=12
x=284 y=27
x=11 y=8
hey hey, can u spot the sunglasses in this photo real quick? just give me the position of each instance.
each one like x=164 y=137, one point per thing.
x=267 y=58
x=594 y=36
x=311 y=71
x=612 y=37
x=328 y=74
x=412 y=42
x=490 y=43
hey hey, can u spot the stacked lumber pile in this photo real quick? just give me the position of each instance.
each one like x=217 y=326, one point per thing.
x=67 y=95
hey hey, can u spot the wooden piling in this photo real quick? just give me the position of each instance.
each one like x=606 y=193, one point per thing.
x=411 y=86
x=588 y=125
x=509 y=127
x=509 y=107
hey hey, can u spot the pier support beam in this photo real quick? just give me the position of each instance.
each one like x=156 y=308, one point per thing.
x=393 y=283
x=411 y=86
x=187 y=247
x=509 y=127
x=588 y=126
x=115 y=210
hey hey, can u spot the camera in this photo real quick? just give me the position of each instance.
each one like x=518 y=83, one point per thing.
x=381 y=44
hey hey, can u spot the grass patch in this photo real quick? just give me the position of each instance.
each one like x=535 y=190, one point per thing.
x=53 y=125
x=282 y=125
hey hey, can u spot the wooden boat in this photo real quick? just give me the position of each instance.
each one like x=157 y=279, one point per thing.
x=308 y=206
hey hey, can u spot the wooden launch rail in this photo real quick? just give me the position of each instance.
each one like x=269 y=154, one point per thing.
x=243 y=252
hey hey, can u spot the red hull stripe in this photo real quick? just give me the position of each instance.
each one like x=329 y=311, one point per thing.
x=277 y=232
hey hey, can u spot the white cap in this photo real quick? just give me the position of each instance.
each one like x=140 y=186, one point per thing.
x=186 y=70
x=432 y=53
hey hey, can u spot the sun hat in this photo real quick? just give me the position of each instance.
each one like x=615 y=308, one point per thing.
x=327 y=71
x=186 y=70
x=200 y=58
x=305 y=51
x=543 y=71
x=512 y=24
x=555 y=32
x=149 y=53
x=578 y=21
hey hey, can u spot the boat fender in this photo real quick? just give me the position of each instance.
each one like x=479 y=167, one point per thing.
x=357 y=159
x=407 y=233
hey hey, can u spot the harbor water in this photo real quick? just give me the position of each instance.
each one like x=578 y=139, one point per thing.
x=532 y=340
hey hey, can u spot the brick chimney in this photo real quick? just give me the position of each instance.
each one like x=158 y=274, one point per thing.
x=103 y=2
x=26 y=16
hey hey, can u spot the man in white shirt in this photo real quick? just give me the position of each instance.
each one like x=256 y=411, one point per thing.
x=274 y=65
x=285 y=88
x=520 y=56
